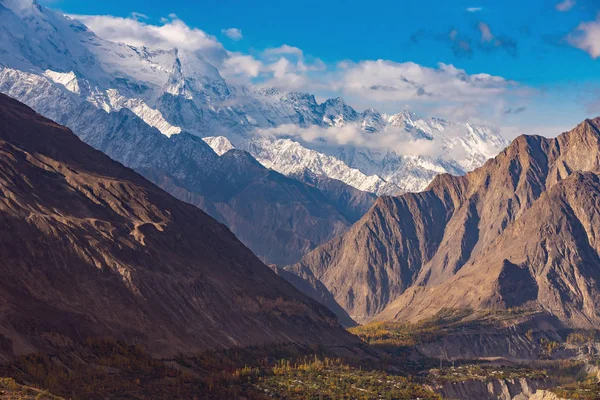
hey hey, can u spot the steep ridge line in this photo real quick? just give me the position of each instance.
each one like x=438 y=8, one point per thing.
x=406 y=245
x=92 y=249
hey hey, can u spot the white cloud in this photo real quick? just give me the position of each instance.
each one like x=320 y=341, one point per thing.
x=173 y=33
x=474 y=9
x=242 y=64
x=395 y=139
x=486 y=32
x=383 y=80
x=451 y=91
x=283 y=67
x=283 y=50
x=444 y=91
x=233 y=33
x=565 y=5
x=587 y=37
x=287 y=75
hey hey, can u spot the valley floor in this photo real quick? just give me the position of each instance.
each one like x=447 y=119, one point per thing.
x=391 y=365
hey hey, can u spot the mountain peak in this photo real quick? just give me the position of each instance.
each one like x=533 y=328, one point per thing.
x=243 y=157
x=586 y=130
x=428 y=238
x=403 y=117
x=220 y=144
x=335 y=100
x=371 y=111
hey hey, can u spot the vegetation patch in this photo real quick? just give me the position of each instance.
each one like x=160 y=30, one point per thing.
x=393 y=334
x=10 y=389
x=110 y=369
x=333 y=379
x=486 y=373
x=579 y=391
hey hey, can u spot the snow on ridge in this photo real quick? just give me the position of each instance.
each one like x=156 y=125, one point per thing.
x=220 y=144
x=149 y=115
x=289 y=158
x=177 y=91
x=67 y=79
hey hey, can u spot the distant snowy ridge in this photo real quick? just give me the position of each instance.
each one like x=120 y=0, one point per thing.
x=179 y=91
x=290 y=158
x=220 y=144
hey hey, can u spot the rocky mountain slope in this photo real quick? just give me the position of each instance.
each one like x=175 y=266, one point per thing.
x=279 y=218
x=350 y=202
x=144 y=107
x=501 y=389
x=518 y=232
x=90 y=248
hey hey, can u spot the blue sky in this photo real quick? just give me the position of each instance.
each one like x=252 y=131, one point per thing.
x=539 y=47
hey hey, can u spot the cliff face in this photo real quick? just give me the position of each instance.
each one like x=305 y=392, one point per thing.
x=501 y=389
x=546 y=259
x=519 y=231
x=90 y=248
x=545 y=395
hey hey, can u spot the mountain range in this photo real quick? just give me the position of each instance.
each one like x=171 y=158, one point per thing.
x=234 y=151
x=146 y=107
x=92 y=249
x=520 y=232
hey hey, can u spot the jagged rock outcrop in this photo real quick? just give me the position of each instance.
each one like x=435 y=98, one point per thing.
x=518 y=232
x=499 y=389
x=545 y=395
x=90 y=248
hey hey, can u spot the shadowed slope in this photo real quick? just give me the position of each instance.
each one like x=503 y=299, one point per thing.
x=90 y=248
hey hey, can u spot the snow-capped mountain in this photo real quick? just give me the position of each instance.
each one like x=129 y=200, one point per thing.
x=175 y=90
x=220 y=144
x=279 y=218
x=292 y=159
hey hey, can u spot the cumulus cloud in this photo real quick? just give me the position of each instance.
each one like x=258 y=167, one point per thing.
x=445 y=89
x=283 y=50
x=233 y=33
x=565 y=5
x=242 y=65
x=293 y=75
x=474 y=9
x=395 y=139
x=383 y=80
x=172 y=33
x=284 y=67
x=587 y=37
